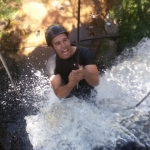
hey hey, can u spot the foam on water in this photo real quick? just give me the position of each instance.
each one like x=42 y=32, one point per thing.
x=129 y=79
x=76 y=124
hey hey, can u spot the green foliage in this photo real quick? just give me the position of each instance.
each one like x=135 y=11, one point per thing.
x=134 y=21
x=8 y=8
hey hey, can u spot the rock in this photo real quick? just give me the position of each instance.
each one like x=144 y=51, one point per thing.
x=4 y=24
x=111 y=25
x=111 y=28
x=106 y=50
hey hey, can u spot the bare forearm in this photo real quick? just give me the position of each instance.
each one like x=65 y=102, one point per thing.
x=92 y=79
x=64 y=91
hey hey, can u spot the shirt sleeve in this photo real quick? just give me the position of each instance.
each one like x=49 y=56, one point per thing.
x=87 y=57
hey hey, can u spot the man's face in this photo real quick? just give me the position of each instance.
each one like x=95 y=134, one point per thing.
x=61 y=45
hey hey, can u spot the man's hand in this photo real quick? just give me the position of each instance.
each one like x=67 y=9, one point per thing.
x=89 y=73
x=73 y=79
x=78 y=74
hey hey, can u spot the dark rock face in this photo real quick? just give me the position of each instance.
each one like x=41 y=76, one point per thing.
x=13 y=135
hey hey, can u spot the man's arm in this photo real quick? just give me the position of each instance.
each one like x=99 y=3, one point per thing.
x=59 y=90
x=92 y=75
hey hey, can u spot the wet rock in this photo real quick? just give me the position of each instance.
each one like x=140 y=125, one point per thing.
x=138 y=124
x=129 y=146
x=1 y=146
x=105 y=52
x=4 y=24
x=111 y=28
x=111 y=25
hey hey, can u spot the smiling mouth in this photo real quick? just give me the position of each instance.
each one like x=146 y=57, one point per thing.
x=65 y=51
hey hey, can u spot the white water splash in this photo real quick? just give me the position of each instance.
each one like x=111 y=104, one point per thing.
x=74 y=124
x=130 y=79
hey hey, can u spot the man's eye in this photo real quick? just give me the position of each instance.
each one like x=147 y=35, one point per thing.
x=57 y=43
x=65 y=39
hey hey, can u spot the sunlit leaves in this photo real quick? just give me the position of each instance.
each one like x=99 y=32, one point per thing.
x=134 y=23
x=8 y=8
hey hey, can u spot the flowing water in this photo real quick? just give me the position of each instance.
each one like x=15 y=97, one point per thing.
x=110 y=121
x=107 y=122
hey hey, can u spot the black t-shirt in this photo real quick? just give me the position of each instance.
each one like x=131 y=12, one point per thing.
x=56 y=65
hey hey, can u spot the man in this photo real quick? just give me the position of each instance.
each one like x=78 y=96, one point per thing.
x=72 y=71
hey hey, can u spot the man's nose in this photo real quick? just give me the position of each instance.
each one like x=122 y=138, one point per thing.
x=63 y=44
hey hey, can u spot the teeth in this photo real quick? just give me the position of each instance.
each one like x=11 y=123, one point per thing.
x=64 y=51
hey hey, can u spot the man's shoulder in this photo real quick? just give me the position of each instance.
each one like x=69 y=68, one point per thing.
x=82 y=48
x=85 y=51
x=86 y=56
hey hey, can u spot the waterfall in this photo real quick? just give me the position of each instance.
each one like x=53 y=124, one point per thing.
x=106 y=122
